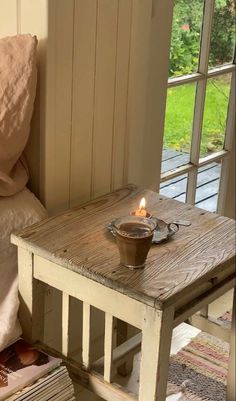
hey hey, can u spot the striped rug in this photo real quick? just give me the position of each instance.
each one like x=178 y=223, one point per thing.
x=199 y=370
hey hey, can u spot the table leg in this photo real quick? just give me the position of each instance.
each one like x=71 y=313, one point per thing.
x=124 y=332
x=155 y=354
x=31 y=294
x=231 y=390
x=205 y=311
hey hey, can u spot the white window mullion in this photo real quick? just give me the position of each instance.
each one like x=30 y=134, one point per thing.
x=200 y=99
x=219 y=71
x=230 y=129
x=185 y=79
x=196 y=141
x=206 y=36
x=230 y=124
x=197 y=76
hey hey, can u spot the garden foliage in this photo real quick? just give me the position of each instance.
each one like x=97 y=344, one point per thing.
x=186 y=35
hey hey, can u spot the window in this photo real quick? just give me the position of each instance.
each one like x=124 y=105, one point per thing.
x=200 y=103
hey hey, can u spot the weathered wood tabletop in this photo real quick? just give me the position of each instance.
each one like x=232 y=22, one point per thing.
x=79 y=240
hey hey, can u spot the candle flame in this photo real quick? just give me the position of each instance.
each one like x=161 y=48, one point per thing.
x=142 y=204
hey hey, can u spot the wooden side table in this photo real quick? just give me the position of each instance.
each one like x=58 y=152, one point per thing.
x=74 y=253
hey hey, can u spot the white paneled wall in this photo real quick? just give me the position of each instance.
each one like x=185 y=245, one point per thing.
x=90 y=132
x=97 y=69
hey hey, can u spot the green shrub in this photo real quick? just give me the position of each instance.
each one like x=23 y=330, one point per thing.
x=223 y=33
x=186 y=33
x=185 y=40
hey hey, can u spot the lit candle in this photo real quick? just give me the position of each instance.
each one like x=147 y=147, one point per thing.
x=141 y=211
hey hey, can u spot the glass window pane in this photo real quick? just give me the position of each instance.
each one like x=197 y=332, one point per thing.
x=175 y=188
x=208 y=187
x=223 y=33
x=186 y=36
x=178 y=126
x=215 y=114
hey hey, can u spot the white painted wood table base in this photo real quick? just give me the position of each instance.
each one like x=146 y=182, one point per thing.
x=181 y=277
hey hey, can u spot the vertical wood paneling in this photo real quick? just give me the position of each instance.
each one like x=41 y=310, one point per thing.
x=93 y=100
x=33 y=19
x=158 y=66
x=150 y=38
x=83 y=100
x=58 y=104
x=121 y=90
x=104 y=96
x=8 y=18
x=138 y=78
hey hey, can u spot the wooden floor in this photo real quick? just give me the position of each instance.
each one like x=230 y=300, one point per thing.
x=207 y=184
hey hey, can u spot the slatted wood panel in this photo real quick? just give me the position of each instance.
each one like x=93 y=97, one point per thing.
x=104 y=96
x=90 y=128
x=88 y=104
x=56 y=144
x=101 y=71
x=108 y=122
x=106 y=45
x=201 y=250
x=120 y=133
x=85 y=34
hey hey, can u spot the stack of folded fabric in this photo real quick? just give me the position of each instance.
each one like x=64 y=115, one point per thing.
x=28 y=374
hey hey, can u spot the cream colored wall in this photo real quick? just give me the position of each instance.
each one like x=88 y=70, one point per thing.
x=92 y=95
x=104 y=74
x=95 y=126
x=95 y=81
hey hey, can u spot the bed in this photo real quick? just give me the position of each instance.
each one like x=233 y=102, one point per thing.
x=16 y=211
x=18 y=206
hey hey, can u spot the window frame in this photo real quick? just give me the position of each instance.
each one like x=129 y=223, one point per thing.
x=201 y=79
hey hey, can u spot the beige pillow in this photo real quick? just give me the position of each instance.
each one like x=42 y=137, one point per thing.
x=18 y=77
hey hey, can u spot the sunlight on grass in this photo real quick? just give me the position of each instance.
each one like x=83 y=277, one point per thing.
x=214 y=121
x=179 y=116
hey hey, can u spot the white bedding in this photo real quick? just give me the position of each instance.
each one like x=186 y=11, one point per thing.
x=16 y=212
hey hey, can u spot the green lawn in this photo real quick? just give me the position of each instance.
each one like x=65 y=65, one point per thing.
x=179 y=116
